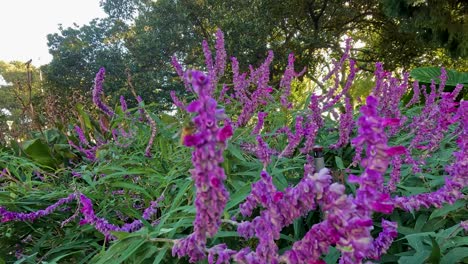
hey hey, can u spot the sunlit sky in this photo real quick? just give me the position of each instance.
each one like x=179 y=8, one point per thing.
x=24 y=25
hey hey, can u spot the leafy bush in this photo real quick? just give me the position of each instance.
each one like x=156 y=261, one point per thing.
x=257 y=191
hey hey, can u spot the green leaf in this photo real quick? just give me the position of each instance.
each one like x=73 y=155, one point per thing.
x=160 y=256
x=455 y=255
x=226 y=234
x=434 y=258
x=339 y=163
x=418 y=258
x=130 y=250
x=39 y=152
x=332 y=256
x=84 y=116
x=298 y=228
x=120 y=251
x=235 y=151
x=131 y=186
x=238 y=196
x=422 y=219
x=427 y=74
x=447 y=209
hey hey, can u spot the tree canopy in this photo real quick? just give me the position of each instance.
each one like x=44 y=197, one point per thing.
x=142 y=35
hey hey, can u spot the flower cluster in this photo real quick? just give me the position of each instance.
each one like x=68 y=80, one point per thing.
x=98 y=92
x=84 y=146
x=286 y=80
x=7 y=216
x=208 y=142
x=436 y=117
x=458 y=174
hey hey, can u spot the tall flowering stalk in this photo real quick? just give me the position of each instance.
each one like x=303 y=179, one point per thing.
x=346 y=125
x=103 y=226
x=84 y=146
x=176 y=100
x=371 y=133
x=208 y=142
x=98 y=91
x=280 y=210
x=250 y=101
x=436 y=116
x=294 y=139
x=7 y=216
x=286 y=80
x=260 y=121
x=144 y=114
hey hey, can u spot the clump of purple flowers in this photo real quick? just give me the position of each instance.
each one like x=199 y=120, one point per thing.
x=208 y=142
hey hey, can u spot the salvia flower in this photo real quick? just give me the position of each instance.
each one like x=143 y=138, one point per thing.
x=280 y=209
x=416 y=93
x=220 y=62
x=454 y=183
x=98 y=92
x=103 y=226
x=123 y=104
x=176 y=100
x=209 y=61
x=180 y=72
x=294 y=139
x=372 y=133
x=285 y=83
x=7 y=216
x=263 y=151
x=261 y=120
x=464 y=225
x=208 y=142
x=385 y=239
x=346 y=125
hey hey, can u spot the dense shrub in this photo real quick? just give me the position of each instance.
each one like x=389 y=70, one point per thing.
x=392 y=189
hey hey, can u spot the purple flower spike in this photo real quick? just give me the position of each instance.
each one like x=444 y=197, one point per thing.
x=261 y=120
x=123 y=104
x=208 y=142
x=7 y=216
x=176 y=100
x=220 y=63
x=98 y=91
x=385 y=239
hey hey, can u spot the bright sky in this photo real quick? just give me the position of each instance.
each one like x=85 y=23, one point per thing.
x=24 y=25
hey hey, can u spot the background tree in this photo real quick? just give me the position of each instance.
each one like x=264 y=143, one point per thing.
x=21 y=96
x=143 y=35
x=79 y=52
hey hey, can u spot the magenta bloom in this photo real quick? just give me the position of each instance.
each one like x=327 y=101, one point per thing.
x=208 y=142
x=98 y=92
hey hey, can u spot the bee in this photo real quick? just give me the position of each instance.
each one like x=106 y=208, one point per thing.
x=187 y=129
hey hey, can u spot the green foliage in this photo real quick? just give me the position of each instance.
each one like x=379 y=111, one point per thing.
x=427 y=74
x=437 y=21
x=142 y=35
x=122 y=181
